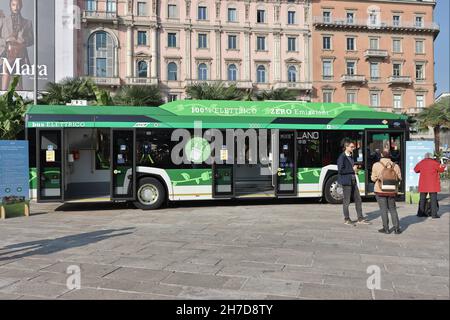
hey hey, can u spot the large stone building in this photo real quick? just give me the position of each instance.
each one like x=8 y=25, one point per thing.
x=254 y=44
x=374 y=52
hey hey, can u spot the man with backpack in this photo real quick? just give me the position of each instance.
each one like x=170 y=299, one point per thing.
x=387 y=175
x=429 y=183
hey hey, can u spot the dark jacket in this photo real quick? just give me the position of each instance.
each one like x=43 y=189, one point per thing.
x=345 y=170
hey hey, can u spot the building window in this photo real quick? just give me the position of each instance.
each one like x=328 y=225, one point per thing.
x=351 y=68
x=291 y=17
x=373 y=18
x=172 y=40
x=351 y=97
x=398 y=104
x=419 y=46
x=350 y=44
x=374 y=99
x=350 y=17
x=172 y=97
x=111 y=6
x=396 y=69
x=374 y=43
x=397 y=45
x=172 y=71
x=202 y=41
x=202 y=72
x=172 y=11
x=142 y=38
x=261 y=74
x=420 y=75
x=327 y=69
x=292 y=74
x=420 y=101
x=326 y=40
x=91 y=5
x=327 y=96
x=232 y=16
x=396 y=20
x=419 y=22
x=374 y=71
x=326 y=15
x=100 y=55
x=232 y=72
x=141 y=9
x=292 y=44
x=142 y=69
x=201 y=14
x=232 y=42
x=260 y=16
x=261 y=43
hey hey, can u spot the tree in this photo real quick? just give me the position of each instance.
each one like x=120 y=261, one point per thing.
x=67 y=90
x=139 y=96
x=12 y=110
x=216 y=91
x=277 y=94
x=437 y=117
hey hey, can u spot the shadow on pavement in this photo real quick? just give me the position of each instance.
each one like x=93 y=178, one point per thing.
x=48 y=246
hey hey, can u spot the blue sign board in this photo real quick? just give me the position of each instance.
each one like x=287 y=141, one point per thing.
x=415 y=152
x=14 y=171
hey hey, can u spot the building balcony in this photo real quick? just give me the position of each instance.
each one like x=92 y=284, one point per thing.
x=344 y=23
x=238 y=84
x=353 y=78
x=376 y=53
x=293 y=85
x=400 y=80
x=414 y=111
x=104 y=81
x=141 y=81
x=99 y=16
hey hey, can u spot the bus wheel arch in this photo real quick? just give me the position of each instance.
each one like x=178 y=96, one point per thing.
x=332 y=190
x=151 y=192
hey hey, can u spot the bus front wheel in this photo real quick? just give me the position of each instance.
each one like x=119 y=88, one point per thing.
x=333 y=191
x=150 y=194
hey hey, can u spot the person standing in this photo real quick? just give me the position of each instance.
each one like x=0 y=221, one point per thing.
x=429 y=183
x=347 y=170
x=386 y=174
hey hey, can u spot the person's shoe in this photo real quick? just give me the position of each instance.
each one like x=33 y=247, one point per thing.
x=384 y=230
x=348 y=222
x=435 y=217
x=397 y=231
x=363 y=221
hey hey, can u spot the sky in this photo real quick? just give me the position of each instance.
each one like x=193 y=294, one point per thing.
x=442 y=47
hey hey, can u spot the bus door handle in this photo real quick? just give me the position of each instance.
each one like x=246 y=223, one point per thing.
x=117 y=171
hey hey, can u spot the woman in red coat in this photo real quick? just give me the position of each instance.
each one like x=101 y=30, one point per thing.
x=429 y=183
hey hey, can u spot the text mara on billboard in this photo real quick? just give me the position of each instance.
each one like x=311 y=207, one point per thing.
x=17 y=43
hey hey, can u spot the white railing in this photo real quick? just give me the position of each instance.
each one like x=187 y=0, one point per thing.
x=141 y=81
x=106 y=81
x=238 y=84
x=400 y=79
x=293 y=85
x=353 y=78
x=101 y=15
x=376 y=53
x=375 y=24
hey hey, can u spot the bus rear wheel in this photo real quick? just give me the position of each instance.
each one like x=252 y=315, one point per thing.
x=150 y=194
x=333 y=191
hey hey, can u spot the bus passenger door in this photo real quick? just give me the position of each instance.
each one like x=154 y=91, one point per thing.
x=123 y=168
x=286 y=172
x=378 y=140
x=50 y=165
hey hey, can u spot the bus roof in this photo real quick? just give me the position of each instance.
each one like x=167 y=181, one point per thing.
x=216 y=114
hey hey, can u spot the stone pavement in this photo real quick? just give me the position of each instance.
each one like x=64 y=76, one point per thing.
x=255 y=250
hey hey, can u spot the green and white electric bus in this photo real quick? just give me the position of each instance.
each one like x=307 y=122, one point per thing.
x=117 y=153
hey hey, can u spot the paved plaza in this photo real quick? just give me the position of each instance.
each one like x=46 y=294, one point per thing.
x=293 y=249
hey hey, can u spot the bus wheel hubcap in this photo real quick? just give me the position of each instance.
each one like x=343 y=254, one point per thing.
x=148 y=194
x=336 y=191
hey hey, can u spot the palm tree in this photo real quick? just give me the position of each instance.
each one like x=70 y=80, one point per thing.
x=12 y=110
x=216 y=91
x=277 y=94
x=437 y=117
x=139 y=96
x=67 y=90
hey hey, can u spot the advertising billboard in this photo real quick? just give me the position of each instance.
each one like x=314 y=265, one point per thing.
x=17 y=43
